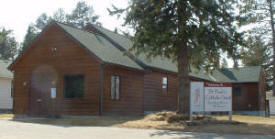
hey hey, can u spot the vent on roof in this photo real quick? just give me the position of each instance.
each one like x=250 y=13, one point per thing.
x=91 y=28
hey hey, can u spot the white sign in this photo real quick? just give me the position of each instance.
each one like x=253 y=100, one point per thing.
x=53 y=93
x=218 y=99
x=196 y=95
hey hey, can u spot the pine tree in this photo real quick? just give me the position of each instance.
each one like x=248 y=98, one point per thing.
x=60 y=16
x=29 y=37
x=189 y=31
x=258 y=54
x=8 y=45
x=80 y=17
x=260 y=14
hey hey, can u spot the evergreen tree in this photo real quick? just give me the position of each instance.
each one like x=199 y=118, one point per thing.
x=258 y=54
x=80 y=17
x=260 y=14
x=60 y=16
x=29 y=37
x=189 y=31
x=42 y=21
x=8 y=45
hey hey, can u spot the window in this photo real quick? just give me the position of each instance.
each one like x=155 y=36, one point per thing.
x=74 y=86
x=164 y=85
x=12 y=82
x=115 y=82
x=237 y=91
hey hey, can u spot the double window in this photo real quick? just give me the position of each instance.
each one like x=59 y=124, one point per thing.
x=164 y=84
x=74 y=86
x=115 y=87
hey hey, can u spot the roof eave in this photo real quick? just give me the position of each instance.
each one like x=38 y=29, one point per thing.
x=6 y=77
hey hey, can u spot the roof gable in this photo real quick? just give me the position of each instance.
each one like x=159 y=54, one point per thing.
x=94 y=43
x=101 y=47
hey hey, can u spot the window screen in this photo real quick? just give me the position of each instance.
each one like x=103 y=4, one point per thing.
x=74 y=86
x=237 y=91
x=164 y=84
x=115 y=84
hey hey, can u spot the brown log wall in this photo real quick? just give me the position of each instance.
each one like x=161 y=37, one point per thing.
x=131 y=91
x=154 y=98
x=69 y=58
x=248 y=101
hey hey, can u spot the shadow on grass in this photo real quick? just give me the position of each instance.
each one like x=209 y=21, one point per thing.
x=70 y=121
x=187 y=135
x=241 y=129
x=193 y=135
x=221 y=127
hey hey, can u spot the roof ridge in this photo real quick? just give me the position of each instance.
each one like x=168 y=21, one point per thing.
x=88 y=34
x=111 y=31
x=77 y=28
x=122 y=49
x=241 y=67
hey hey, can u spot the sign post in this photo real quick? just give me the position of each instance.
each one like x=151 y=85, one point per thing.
x=218 y=98
x=210 y=97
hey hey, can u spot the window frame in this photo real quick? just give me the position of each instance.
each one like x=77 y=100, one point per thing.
x=12 y=88
x=164 y=90
x=64 y=86
x=240 y=91
x=116 y=78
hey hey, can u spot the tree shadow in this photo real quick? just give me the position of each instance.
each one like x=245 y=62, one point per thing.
x=218 y=130
x=72 y=121
x=196 y=135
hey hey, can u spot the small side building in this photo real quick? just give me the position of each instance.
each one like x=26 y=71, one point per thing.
x=6 y=78
x=248 y=88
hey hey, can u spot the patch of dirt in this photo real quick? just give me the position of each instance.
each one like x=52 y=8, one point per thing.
x=172 y=121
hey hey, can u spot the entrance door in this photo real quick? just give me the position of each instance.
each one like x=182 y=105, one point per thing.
x=41 y=82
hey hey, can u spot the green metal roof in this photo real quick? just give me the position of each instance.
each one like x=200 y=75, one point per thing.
x=156 y=62
x=244 y=74
x=99 y=45
x=4 y=72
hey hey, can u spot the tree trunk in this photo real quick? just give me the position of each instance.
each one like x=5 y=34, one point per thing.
x=183 y=62
x=183 y=78
x=273 y=40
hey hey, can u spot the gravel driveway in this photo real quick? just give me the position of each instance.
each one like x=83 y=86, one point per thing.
x=19 y=130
